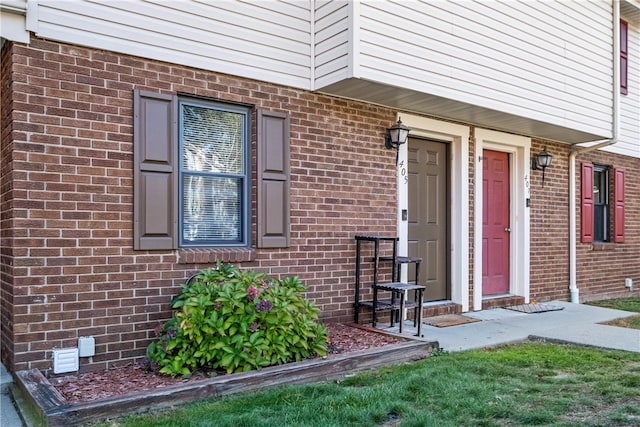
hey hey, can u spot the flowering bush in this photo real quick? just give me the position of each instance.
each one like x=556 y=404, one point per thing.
x=237 y=321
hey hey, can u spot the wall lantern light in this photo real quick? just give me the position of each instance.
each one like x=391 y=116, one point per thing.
x=396 y=136
x=541 y=161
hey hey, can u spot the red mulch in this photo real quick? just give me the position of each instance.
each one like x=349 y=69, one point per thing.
x=132 y=378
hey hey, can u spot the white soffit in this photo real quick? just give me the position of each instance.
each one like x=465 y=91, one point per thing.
x=418 y=102
x=630 y=9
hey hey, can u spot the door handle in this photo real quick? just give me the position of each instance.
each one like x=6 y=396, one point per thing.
x=507 y=229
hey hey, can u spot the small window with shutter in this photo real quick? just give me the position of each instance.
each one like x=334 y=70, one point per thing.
x=192 y=176
x=602 y=204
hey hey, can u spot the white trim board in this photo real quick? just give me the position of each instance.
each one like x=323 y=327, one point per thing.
x=458 y=137
x=518 y=148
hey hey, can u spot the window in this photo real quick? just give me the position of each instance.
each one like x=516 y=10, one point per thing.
x=624 y=60
x=214 y=174
x=598 y=191
x=600 y=203
x=192 y=177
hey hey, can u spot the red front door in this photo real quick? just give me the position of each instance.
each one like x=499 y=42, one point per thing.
x=495 y=223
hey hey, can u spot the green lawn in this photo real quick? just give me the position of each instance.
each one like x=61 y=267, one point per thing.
x=627 y=304
x=519 y=385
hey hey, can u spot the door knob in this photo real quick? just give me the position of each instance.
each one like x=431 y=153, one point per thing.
x=507 y=229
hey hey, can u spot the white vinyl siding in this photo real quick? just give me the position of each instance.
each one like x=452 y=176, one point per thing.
x=333 y=41
x=541 y=68
x=549 y=61
x=12 y=21
x=260 y=40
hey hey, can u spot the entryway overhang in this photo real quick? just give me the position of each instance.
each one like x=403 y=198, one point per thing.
x=410 y=100
x=631 y=10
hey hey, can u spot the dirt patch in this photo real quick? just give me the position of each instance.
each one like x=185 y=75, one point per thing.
x=132 y=378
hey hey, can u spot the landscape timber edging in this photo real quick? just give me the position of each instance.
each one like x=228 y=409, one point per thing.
x=41 y=404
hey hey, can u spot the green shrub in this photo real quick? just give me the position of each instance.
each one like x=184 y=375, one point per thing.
x=237 y=321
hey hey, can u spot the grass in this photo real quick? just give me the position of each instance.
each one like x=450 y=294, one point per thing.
x=626 y=304
x=524 y=384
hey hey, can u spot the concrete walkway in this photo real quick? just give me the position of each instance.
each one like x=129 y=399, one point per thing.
x=8 y=415
x=575 y=323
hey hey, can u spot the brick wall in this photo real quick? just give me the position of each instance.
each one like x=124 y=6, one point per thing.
x=549 y=225
x=601 y=268
x=68 y=267
x=73 y=270
x=6 y=213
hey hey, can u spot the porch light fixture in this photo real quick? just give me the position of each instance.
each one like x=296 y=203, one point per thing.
x=396 y=136
x=541 y=161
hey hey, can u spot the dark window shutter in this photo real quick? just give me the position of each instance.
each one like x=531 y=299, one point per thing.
x=618 y=190
x=273 y=180
x=155 y=175
x=586 y=205
x=624 y=57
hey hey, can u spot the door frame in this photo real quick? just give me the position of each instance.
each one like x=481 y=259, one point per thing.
x=518 y=148
x=458 y=138
x=413 y=138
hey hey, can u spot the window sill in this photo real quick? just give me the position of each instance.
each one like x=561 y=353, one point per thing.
x=603 y=246
x=213 y=255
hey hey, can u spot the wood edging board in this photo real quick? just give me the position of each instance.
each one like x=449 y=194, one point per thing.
x=42 y=405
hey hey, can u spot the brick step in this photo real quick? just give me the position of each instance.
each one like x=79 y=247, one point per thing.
x=503 y=301
x=439 y=308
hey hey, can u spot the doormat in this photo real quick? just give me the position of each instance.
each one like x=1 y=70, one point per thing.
x=534 y=308
x=446 y=320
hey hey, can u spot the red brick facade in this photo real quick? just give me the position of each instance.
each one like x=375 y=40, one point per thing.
x=69 y=268
x=601 y=267
x=68 y=264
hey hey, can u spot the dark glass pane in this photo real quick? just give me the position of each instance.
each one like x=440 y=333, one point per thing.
x=600 y=187
x=601 y=223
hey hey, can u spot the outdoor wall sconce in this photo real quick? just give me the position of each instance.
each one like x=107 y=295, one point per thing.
x=541 y=161
x=396 y=136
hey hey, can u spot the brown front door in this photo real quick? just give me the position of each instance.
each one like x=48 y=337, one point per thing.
x=429 y=215
x=495 y=222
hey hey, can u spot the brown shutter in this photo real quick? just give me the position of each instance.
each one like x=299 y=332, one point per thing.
x=618 y=214
x=155 y=176
x=586 y=229
x=273 y=180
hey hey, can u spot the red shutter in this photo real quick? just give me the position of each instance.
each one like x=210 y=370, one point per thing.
x=618 y=217
x=624 y=57
x=273 y=209
x=155 y=203
x=586 y=205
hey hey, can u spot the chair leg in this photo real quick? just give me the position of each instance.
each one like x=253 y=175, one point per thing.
x=392 y=310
